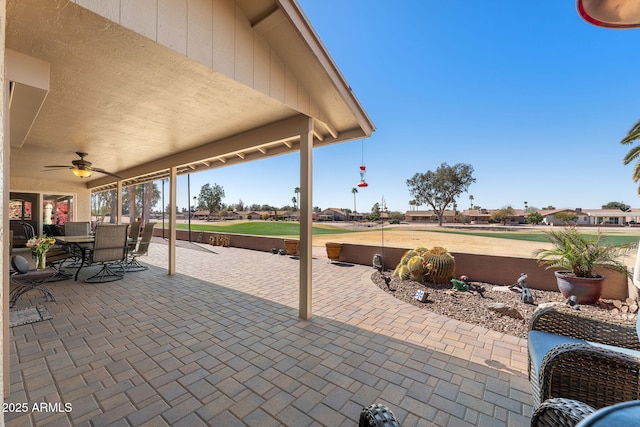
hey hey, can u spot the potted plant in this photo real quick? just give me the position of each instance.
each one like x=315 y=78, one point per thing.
x=291 y=246
x=576 y=255
x=333 y=251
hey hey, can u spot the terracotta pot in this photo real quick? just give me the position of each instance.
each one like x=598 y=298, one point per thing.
x=291 y=246
x=587 y=289
x=333 y=251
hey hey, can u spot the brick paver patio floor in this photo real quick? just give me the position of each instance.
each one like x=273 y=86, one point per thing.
x=220 y=344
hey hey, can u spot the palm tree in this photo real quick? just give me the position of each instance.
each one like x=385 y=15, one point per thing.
x=297 y=191
x=412 y=204
x=471 y=200
x=633 y=136
x=354 y=190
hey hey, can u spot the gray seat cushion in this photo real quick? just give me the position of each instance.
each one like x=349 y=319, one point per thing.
x=540 y=343
x=20 y=264
x=622 y=414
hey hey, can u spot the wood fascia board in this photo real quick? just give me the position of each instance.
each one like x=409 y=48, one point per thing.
x=302 y=25
x=279 y=131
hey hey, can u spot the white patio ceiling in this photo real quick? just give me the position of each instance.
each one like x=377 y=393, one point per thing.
x=138 y=108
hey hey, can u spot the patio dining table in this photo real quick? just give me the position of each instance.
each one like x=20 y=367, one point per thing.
x=78 y=244
x=82 y=245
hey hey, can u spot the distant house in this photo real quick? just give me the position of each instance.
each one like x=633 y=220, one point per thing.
x=611 y=216
x=428 y=216
x=478 y=216
x=250 y=215
x=200 y=215
x=549 y=216
x=333 y=214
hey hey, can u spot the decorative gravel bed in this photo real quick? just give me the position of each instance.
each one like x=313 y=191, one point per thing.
x=472 y=307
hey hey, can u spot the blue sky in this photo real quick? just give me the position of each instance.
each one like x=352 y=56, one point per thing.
x=535 y=99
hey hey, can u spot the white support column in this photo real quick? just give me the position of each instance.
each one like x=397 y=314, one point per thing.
x=173 y=186
x=306 y=216
x=119 y=203
x=5 y=235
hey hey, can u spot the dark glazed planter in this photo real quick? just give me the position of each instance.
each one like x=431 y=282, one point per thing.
x=587 y=289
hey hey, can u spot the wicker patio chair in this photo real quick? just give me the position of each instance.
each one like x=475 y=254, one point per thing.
x=559 y=412
x=110 y=252
x=142 y=249
x=576 y=355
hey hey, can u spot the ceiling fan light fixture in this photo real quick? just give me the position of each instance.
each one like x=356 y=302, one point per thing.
x=81 y=173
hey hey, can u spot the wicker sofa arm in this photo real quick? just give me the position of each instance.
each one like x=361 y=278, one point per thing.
x=560 y=412
x=585 y=326
x=595 y=376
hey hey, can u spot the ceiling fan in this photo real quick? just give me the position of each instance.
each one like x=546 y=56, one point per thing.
x=82 y=168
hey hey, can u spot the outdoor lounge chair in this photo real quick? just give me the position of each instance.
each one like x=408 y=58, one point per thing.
x=575 y=355
x=110 y=252
x=24 y=280
x=559 y=412
x=57 y=255
x=142 y=249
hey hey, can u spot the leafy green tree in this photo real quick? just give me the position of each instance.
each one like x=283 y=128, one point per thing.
x=535 y=218
x=633 y=136
x=617 y=205
x=375 y=212
x=503 y=215
x=210 y=197
x=566 y=217
x=396 y=217
x=440 y=188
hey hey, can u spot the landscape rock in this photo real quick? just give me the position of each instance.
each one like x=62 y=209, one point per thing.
x=504 y=310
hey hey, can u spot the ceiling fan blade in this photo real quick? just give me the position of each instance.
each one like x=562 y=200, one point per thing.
x=105 y=172
x=59 y=166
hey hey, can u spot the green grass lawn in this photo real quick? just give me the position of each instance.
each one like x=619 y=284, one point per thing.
x=536 y=236
x=263 y=228
x=292 y=229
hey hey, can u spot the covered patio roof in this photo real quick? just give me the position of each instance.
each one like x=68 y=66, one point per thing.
x=185 y=86
x=153 y=89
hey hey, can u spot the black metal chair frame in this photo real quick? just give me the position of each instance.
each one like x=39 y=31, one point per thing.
x=110 y=252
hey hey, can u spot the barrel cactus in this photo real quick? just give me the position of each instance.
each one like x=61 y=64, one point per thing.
x=417 y=268
x=413 y=266
x=442 y=264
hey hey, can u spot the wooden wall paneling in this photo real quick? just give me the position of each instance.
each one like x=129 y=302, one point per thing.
x=276 y=84
x=224 y=36
x=110 y=9
x=172 y=25
x=140 y=16
x=261 y=64
x=200 y=31
x=243 y=49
